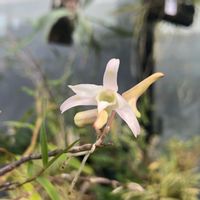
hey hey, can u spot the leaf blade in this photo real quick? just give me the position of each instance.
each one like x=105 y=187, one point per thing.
x=49 y=188
x=43 y=145
x=57 y=156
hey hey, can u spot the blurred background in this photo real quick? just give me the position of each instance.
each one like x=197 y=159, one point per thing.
x=47 y=45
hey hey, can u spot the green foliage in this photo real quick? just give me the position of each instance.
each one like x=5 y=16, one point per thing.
x=50 y=189
x=44 y=145
x=19 y=125
x=170 y=175
x=58 y=155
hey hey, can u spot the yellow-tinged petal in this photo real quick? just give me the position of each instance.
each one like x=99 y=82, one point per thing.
x=101 y=120
x=85 y=117
x=140 y=88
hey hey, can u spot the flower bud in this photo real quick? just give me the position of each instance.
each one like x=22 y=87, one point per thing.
x=85 y=117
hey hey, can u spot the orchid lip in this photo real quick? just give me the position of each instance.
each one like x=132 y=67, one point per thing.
x=108 y=96
x=106 y=99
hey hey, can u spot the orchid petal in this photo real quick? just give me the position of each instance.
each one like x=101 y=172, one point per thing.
x=110 y=75
x=126 y=113
x=76 y=101
x=86 y=90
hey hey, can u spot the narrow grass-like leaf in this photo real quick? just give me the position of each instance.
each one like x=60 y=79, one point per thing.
x=50 y=189
x=51 y=161
x=44 y=182
x=57 y=156
x=43 y=145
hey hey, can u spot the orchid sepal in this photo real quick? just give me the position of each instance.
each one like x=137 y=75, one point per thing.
x=136 y=91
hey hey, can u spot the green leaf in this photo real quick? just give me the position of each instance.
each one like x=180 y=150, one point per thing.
x=18 y=124
x=50 y=189
x=57 y=156
x=34 y=194
x=30 y=168
x=43 y=145
x=75 y=163
x=28 y=91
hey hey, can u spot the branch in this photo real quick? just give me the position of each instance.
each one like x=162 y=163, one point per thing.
x=15 y=164
x=99 y=142
x=104 y=181
x=93 y=180
x=85 y=149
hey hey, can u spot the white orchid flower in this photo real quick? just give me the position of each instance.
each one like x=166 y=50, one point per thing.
x=106 y=98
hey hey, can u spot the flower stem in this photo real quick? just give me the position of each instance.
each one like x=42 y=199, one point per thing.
x=99 y=142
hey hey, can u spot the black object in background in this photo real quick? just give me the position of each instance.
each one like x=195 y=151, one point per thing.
x=184 y=15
